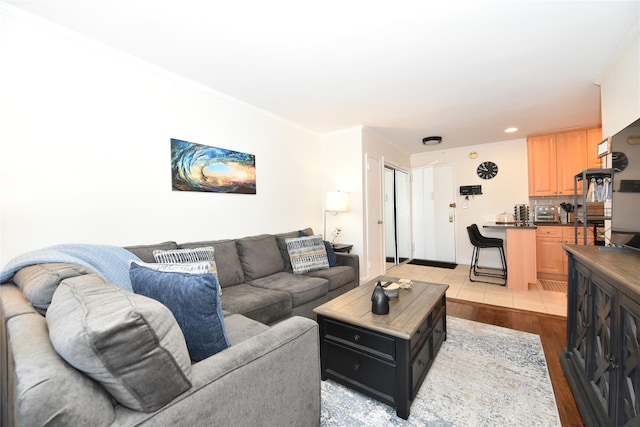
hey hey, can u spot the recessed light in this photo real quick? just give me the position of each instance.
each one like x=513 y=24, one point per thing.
x=432 y=140
x=511 y=130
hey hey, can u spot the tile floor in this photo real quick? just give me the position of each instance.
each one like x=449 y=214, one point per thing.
x=535 y=299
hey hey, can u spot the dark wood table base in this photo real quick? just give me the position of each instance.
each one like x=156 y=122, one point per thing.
x=387 y=356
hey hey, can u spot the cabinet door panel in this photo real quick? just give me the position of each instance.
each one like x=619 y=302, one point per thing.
x=603 y=363
x=571 y=152
x=594 y=137
x=549 y=253
x=629 y=412
x=541 y=152
x=582 y=326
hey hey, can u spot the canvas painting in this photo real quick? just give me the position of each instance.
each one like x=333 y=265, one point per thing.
x=197 y=167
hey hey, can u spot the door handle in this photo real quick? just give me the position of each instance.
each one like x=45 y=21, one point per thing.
x=452 y=205
x=379 y=221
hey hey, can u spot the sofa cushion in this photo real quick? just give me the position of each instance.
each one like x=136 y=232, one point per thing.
x=38 y=282
x=262 y=305
x=128 y=343
x=49 y=391
x=145 y=252
x=193 y=300
x=240 y=328
x=307 y=254
x=337 y=276
x=259 y=256
x=282 y=245
x=301 y=288
x=227 y=260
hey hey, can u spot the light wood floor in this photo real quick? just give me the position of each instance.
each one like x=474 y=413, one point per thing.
x=552 y=332
x=461 y=288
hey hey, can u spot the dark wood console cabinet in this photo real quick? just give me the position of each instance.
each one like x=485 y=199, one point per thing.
x=602 y=357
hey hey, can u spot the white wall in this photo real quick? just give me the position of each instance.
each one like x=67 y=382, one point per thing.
x=500 y=194
x=85 y=139
x=341 y=153
x=620 y=91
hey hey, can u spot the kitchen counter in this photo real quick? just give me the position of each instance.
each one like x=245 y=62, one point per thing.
x=520 y=248
x=499 y=225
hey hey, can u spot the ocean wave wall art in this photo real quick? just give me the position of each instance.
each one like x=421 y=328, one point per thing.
x=197 y=167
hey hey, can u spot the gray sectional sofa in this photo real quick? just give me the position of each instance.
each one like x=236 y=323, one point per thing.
x=257 y=280
x=270 y=375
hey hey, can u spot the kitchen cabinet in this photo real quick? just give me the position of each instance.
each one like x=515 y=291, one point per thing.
x=550 y=256
x=594 y=137
x=551 y=259
x=555 y=158
x=602 y=358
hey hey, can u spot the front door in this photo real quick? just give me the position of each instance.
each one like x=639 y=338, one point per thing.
x=434 y=213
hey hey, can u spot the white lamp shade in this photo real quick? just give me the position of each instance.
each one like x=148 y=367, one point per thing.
x=337 y=201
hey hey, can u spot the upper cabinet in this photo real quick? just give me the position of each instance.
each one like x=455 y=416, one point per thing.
x=555 y=159
x=594 y=137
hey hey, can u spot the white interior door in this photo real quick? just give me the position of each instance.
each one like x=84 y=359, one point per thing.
x=375 y=232
x=434 y=213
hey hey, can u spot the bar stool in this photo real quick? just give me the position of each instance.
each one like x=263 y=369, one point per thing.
x=481 y=242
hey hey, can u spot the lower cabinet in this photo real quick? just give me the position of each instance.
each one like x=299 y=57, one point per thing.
x=602 y=357
x=551 y=259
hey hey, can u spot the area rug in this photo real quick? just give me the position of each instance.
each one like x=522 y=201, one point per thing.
x=484 y=375
x=553 y=285
x=429 y=263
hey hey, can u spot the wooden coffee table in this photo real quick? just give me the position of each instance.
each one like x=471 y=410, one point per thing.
x=383 y=356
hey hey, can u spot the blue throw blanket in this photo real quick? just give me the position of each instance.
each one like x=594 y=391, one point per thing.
x=111 y=262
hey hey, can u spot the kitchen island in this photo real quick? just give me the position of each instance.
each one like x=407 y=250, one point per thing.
x=520 y=248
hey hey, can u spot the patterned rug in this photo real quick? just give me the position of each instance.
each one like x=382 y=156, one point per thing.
x=484 y=375
x=553 y=285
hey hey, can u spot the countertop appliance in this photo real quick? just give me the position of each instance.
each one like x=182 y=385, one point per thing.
x=546 y=213
x=521 y=214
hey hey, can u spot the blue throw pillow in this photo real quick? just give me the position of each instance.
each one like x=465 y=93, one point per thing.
x=331 y=255
x=193 y=300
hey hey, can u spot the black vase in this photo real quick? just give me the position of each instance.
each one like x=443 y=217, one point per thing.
x=379 y=300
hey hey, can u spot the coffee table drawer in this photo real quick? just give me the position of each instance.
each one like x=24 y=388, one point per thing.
x=361 y=339
x=419 y=367
x=358 y=367
x=439 y=333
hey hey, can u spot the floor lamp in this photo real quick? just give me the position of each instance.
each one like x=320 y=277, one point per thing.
x=336 y=201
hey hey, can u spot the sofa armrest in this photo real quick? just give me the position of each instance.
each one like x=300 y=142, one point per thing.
x=350 y=260
x=272 y=378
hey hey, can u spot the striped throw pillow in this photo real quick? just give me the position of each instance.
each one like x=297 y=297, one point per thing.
x=175 y=256
x=202 y=267
x=307 y=254
x=188 y=256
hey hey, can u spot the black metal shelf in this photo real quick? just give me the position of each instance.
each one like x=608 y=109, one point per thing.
x=584 y=220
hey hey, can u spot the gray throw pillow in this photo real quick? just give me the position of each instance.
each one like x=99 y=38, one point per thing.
x=128 y=343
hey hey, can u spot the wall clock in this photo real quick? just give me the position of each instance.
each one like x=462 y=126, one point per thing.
x=619 y=161
x=487 y=170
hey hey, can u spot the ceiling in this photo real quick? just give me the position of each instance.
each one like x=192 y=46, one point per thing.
x=463 y=70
